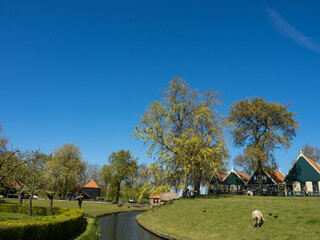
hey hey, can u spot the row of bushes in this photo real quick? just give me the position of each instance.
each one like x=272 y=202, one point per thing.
x=24 y=208
x=63 y=225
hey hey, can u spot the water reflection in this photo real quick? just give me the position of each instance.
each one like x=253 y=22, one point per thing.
x=124 y=226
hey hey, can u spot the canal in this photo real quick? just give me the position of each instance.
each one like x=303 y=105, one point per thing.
x=124 y=226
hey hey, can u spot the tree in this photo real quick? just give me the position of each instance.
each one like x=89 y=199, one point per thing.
x=33 y=179
x=245 y=162
x=106 y=175
x=311 y=152
x=184 y=131
x=65 y=168
x=92 y=172
x=156 y=180
x=9 y=160
x=120 y=162
x=262 y=127
x=132 y=176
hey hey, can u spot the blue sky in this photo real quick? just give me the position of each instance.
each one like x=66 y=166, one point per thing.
x=82 y=71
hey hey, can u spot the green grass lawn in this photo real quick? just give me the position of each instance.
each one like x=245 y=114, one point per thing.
x=229 y=217
x=90 y=208
x=12 y=216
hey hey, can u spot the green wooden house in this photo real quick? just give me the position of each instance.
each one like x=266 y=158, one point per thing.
x=304 y=172
x=272 y=183
x=235 y=182
x=216 y=183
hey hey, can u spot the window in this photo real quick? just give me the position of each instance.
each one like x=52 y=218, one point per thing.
x=215 y=188
x=236 y=188
x=228 y=188
x=264 y=178
x=155 y=201
x=302 y=185
x=255 y=178
x=315 y=187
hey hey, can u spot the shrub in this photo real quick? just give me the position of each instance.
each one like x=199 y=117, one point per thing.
x=23 y=208
x=62 y=225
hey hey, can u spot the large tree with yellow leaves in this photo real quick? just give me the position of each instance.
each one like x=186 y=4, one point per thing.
x=262 y=127
x=184 y=132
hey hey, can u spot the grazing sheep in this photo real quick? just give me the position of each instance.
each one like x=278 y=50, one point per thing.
x=257 y=218
x=250 y=193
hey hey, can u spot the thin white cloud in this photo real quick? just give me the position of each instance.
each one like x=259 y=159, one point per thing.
x=290 y=32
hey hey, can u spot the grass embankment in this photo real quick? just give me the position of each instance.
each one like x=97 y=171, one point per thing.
x=92 y=230
x=92 y=209
x=229 y=217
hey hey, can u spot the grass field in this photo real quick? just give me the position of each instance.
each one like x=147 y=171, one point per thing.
x=90 y=208
x=12 y=216
x=229 y=217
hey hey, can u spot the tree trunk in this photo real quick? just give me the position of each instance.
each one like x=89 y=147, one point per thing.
x=260 y=178
x=19 y=198
x=108 y=187
x=131 y=188
x=197 y=189
x=65 y=190
x=118 y=192
x=30 y=202
x=50 y=201
x=185 y=187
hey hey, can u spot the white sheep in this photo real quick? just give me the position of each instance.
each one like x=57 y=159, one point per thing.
x=250 y=193
x=257 y=218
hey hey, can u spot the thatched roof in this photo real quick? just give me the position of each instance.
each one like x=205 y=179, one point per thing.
x=169 y=196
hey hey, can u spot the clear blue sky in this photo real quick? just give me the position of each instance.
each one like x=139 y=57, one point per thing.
x=81 y=71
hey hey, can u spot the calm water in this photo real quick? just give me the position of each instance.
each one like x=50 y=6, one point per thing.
x=123 y=226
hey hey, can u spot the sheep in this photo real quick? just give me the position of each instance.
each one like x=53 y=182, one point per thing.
x=257 y=218
x=250 y=193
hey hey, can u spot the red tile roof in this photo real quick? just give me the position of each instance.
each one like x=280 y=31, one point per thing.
x=243 y=176
x=221 y=175
x=91 y=184
x=154 y=196
x=313 y=163
x=277 y=176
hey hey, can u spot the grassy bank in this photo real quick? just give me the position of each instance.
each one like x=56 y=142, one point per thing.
x=92 y=209
x=92 y=230
x=229 y=217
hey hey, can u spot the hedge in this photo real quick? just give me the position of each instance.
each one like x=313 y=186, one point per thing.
x=24 y=208
x=63 y=225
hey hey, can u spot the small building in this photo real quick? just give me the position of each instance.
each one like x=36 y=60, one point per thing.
x=91 y=190
x=161 y=198
x=216 y=183
x=272 y=182
x=169 y=196
x=235 y=182
x=304 y=172
x=154 y=200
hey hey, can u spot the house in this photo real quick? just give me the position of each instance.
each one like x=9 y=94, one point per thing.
x=91 y=190
x=71 y=195
x=272 y=182
x=154 y=200
x=216 y=183
x=164 y=197
x=235 y=182
x=304 y=172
